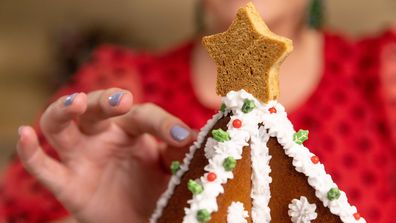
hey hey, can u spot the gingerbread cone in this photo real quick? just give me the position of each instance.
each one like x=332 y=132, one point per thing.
x=248 y=163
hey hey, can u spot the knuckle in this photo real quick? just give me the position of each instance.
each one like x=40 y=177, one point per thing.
x=164 y=123
x=115 y=89
x=44 y=118
x=112 y=89
x=145 y=108
x=152 y=115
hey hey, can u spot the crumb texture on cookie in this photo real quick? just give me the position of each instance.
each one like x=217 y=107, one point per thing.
x=248 y=56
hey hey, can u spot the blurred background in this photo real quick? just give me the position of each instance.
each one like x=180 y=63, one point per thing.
x=41 y=42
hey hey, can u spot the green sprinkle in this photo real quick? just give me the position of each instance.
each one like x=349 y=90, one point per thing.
x=194 y=187
x=333 y=194
x=203 y=215
x=220 y=135
x=248 y=106
x=223 y=107
x=229 y=163
x=174 y=167
x=300 y=136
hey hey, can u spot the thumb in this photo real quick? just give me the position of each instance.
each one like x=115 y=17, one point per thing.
x=48 y=171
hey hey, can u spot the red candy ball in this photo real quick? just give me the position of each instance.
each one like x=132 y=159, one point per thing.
x=356 y=216
x=237 y=123
x=211 y=176
x=315 y=159
x=272 y=110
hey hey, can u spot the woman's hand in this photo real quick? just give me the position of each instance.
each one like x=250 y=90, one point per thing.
x=111 y=161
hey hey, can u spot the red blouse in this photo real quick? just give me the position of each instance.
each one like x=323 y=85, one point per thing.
x=350 y=118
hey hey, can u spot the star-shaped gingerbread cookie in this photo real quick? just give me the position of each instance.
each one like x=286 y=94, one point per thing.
x=248 y=56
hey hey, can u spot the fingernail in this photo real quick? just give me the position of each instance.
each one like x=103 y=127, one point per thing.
x=115 y=98
x=179 y=133
x=69 y=99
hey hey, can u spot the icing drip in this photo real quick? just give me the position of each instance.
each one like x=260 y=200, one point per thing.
x=279 y=126
x=275 y=124
x=260 y=178
x=301 y=211
x=236 y=213
x=175 y=179
x=218 y=153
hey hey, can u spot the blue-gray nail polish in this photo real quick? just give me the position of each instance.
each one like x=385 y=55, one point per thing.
x=179 y=133
x=69 y=99
x=115 y=98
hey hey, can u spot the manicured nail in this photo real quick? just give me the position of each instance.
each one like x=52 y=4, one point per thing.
x=179 y=133
x=115 y=98
x=69 y=99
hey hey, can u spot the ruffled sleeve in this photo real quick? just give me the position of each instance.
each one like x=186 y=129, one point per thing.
x=22 y=198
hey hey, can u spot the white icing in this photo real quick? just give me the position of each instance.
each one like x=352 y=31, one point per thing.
x=236 y=213
x=260 y=177
x=274 y=125
x=301 y=211
x=216 y=153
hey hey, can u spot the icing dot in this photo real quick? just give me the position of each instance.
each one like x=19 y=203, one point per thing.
x=237 y=123
x=220 y=135
x=356 y=215
x=223 y=107
x=272 y=110
x=333 y=194
x=300 y=136
x=194 y=187
x=315 y=159
x=248 y=106
x=211 y=176
x=174 y=167
x=203 y=215
x=229 y=163
x=301 y=211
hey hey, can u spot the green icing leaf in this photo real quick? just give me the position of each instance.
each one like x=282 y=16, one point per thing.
x=229 y=163
x=248 y=106
x=300 y=136
x=194 y=187
x=223 y=107
x=174 y=167
x=203 y=215
x=220 y=135
x=333 y=194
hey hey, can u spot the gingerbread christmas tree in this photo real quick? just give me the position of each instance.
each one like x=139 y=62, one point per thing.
x=248 y=163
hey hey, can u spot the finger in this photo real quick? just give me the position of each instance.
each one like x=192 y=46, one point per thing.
x=57 y=121
x=169 y=154
x=50 y=172
x=103 y=105
x=149 y=118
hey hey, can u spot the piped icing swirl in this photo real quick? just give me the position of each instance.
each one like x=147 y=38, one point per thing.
x=236 y=213
x=301 y=211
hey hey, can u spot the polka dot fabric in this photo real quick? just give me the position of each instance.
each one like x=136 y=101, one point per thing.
x=349 y=129
x=349 y=116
